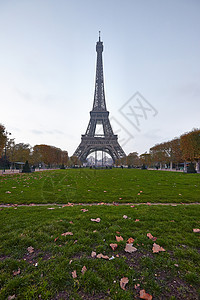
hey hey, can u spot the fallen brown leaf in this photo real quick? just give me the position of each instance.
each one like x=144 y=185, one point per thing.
x=69 y=204
x=96 y=220
x=113 y=246
x=93 y=254
x=100 y=255
x=30 y=249
x=67 y=233
x=11 y=297
x=149 y=235
x=129 y=248
x=74 y=274
x=136 y=286
x=196 y=230
x=156 y=248
x=17 y=272
x=144 y=295
x=84 y=269
x=84 y=210
x=130 y=240
x=119 y=238
x=123 y=282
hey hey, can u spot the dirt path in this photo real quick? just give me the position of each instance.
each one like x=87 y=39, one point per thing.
x=96 y=204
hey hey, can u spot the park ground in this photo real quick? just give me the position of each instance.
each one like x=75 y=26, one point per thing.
x=92 y=234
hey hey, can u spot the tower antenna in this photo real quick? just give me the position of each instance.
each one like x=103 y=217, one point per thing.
x=99 y=36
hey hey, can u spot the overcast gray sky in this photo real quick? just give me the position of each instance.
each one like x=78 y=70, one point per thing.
x=48 y=60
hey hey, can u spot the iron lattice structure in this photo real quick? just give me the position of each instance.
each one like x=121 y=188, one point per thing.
x=91 y=141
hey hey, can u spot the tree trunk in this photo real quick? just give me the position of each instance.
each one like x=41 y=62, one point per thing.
x=185 y=166
x=197 y=167
x=160 y=165
x=171 y=165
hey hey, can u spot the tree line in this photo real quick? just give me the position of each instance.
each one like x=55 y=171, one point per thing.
x=171 y=154
x=39 y=155
x=175 y=153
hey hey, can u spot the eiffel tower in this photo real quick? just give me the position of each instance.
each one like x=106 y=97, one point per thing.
x=92 y=141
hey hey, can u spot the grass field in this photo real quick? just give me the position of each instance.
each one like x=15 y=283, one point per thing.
x=88 y=186
x=47 y=272
x=41 y=247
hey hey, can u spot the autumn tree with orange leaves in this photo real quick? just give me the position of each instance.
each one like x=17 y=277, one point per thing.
x=167 y=152
x=2 y=138
x=18 y=152
x=49 y=155
x=146 y=159
x=132 y=159
x=159 y=154
x=190 y=146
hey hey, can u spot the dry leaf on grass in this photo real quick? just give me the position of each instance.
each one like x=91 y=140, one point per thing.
x=144 y=295
x=93 y=254
x=30 y=249
x=84 y=269
x=125 y=217
x=129 y=248
x=74 y=274
x=17 y=272
x=67 y=233
x=100 y=255
x=11 y=297
x=151 y=237
x=119 y=238
x=136 y=286
x=123 y=282
x=137 y=220
x=113 y=246
x=84 y=210
x=130 y=240
x=196 y=230
x=96 y=220
x=69 y=204
x=156 y=248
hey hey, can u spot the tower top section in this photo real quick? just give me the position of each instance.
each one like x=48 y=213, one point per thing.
x=99 y=46
x=99 y=94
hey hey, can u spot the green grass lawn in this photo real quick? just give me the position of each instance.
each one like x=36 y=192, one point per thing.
x=46 y=273
x=88 y=186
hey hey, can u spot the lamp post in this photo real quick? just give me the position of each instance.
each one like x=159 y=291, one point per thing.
x=7 y=133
